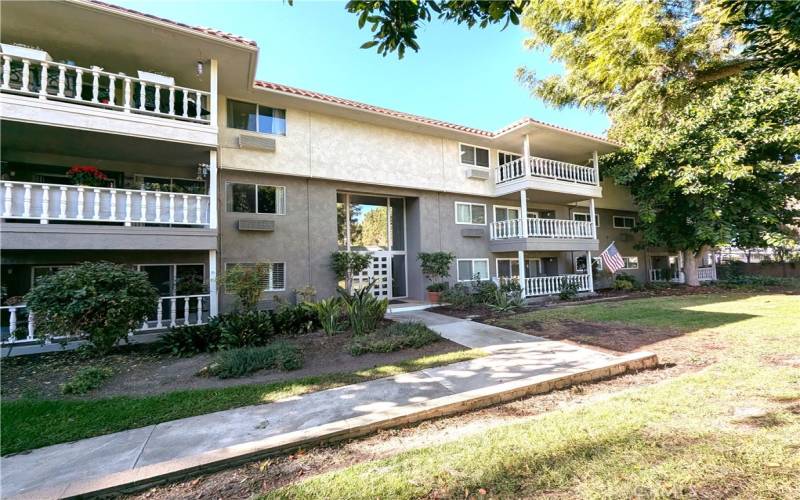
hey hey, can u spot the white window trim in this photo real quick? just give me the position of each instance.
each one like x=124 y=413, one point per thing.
x=497 y=261
x=174 y=271
x=488 y=151
x=494 y=207
x=257 y=105
x=485 y=214
x=626 y=260
x=587 y=214
x=257 y=186
x=488 y=269
x=500 y=151
x=614 y=221
x=269 y=275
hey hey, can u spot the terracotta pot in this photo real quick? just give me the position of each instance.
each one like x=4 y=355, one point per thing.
x=433 y=297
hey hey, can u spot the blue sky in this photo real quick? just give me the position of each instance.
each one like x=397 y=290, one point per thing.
x=459 y=75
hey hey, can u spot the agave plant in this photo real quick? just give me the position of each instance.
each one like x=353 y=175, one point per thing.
x=329 y=314
x=364 y=310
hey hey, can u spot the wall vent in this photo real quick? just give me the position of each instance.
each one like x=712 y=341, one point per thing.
x=257 y=143
x=256 y=225
x=478 y=173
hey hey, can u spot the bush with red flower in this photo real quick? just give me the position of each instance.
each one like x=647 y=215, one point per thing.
x=87 y=175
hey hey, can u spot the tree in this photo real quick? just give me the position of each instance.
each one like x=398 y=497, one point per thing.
x=347 y=264
x=246 y=282
x=99 y=300
x=435 y=265
x=771 y=32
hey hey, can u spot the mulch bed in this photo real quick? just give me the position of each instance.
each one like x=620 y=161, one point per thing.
x=141 y=370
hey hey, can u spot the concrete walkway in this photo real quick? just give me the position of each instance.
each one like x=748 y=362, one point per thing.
x=517 y=365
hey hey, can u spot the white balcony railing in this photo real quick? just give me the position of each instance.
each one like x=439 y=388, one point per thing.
x=46 y=202
x=707 y=274
x=549 y=285
x=673 y=275
x=171 y=311
x=542 y=228
x=95 y=87
x=544 y=167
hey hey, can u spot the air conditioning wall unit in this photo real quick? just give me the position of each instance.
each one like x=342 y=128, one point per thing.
x=256 y=225
x=478 y=173
x=256 y=143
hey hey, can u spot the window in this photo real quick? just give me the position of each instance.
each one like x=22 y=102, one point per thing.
x=274 y=279
x=256 y=118
x=503 y=157
x=176 y=279
x=580 y=264
x=475 y=156
x=505 y=213
x=623 y=222
x=472 y=269
x=170 y=184
x=584 y=217
x=509 y=268
x=255 y=198
x=631 y=262
x=470 y=213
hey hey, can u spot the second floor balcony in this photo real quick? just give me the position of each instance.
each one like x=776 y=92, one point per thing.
x=542 y=234
x=547 y=175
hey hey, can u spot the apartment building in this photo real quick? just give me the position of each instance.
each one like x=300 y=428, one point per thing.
x=205 y=167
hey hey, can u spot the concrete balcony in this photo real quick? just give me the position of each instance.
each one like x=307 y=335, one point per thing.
x=543 y=174
x=532 y=234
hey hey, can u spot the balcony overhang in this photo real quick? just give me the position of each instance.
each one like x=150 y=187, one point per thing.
x=543 y=245
x=21 y=236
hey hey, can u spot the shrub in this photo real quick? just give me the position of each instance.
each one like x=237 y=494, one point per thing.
x=437 y=287
x=239 y=362
x=347 y=264
x=86 y=380
x=393 y=338
x=246 y=282
x=505 y=301
x=435 y=266
x=364 y=310
x=625 y=282
x=329 y=314
x=458 y=296
x=294 y=319
x=100 y=300
x=569 y=289
x=243 y=329
x=485 y=291
x=189 y=340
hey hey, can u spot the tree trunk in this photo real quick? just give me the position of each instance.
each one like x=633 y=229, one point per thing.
x=690 y=259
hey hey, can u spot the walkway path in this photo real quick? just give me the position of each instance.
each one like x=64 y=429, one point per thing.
x=518 y=364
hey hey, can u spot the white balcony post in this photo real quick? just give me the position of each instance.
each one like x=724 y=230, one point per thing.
x=212 y=97
x=126 y=103
x=26 y=74
x=213 y=300
x=592 y=218
x=596 y=168
x=6 y=72
x=128 y=208
x=45 y=205
x=43 y=81
x=95 y=86
x=521 y=260
x=526 y=155
x=7 y=200
x=589 y=267
x=78 y=84
x=212 y=189
x=523 y=211
x=62 y=79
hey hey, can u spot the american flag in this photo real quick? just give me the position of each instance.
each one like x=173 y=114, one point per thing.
x=611 y=259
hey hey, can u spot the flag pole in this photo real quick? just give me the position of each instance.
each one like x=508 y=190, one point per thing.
x=609 y=246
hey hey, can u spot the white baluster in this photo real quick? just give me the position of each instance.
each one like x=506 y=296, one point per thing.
x=31 y=326
x=185 y=103
x=197 y=105
x=128 y=208
x=62 y=79
x=80 y=202
x=26 y=201
x=6 y=72
x=112 y=89
x=78 y=84
x=142 y=95
x=43 y=81
x=157 y=108
x=186 y=209
x=62 y=202
x=199 y=318
x=45 y=205
x=7 y=197
x=197 y=207
x=95 y=85
x=127 y=95
x=143 y=207
x=26 y=66
x=172 y=208
x=172 y=311
x=186 y=310
x=12 y=320
x=172 y=101
x=113 y=208
x=159 y=314
x=96 y=215
x=158 y=207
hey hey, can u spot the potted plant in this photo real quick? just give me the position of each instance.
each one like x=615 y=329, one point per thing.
x=436 y=266
x=87 y=175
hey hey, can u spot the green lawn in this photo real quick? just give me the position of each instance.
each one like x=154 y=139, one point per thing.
x=33 y=423
x=732 y=429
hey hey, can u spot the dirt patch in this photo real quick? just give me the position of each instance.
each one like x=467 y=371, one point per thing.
x=791 y=360
x=141 y=370
x=265 y=475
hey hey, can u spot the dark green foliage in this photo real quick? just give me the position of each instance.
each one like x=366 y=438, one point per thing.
x=459 y=296
x=626 y=282
x=239 y=362
x=86 y=380
x=771 y=31
x=437 y=287
x=245 y=329
x=505 y=300
x=394 y=337
x=185 y=341
x=101 y=300
x=435 y=266
x=569 y=289
x=330 y=314
x=485 y=291
x=347 y=264
x=364 y=310
x=294 y=320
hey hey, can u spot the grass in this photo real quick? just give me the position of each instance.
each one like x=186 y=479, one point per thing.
x=86 y=380
x=239 y=362
x=32 y=423
x=693 y=436
x=394 y=337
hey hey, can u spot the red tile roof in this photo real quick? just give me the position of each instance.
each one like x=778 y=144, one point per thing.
x=207 y=31
x=286 y=89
